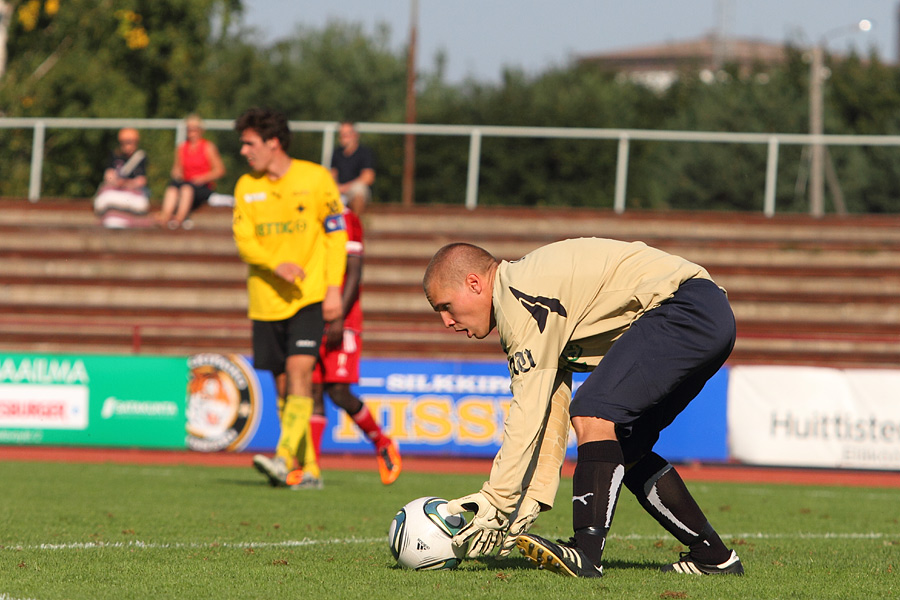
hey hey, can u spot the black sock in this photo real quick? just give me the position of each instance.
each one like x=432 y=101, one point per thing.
x=595 y=490
x=662 y=493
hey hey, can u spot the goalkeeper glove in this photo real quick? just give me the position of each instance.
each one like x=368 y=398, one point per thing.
x=524 y=517
x=484 y=532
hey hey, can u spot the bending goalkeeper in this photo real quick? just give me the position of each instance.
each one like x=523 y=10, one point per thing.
x=651 y=328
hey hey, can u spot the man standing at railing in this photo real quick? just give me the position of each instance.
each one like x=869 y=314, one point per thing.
x=353 y=167
x=289 y=228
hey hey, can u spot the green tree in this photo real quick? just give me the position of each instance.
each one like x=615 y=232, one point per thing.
x=106 y=58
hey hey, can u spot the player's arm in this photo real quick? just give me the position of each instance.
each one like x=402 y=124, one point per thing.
x=540 y=490
x=544 y=482
x=496 y=501
x=335 y=245
x=335 y=330
x=522 y=434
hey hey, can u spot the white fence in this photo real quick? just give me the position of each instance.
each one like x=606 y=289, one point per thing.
x=475 y=133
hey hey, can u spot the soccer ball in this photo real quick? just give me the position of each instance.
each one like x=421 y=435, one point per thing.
x=421 y=533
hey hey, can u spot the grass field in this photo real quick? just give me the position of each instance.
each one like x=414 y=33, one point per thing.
x=121 y=531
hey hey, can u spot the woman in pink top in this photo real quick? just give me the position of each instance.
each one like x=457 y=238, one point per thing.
x=196 y=168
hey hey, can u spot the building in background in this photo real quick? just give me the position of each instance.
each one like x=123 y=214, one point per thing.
x=658 y=66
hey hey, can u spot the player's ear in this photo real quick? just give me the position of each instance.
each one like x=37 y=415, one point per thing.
x=473 y=283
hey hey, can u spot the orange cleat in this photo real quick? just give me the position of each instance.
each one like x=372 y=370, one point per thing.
x=388 y=462
x=294 y=477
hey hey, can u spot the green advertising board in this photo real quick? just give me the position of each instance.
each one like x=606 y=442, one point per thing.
x=56 y=399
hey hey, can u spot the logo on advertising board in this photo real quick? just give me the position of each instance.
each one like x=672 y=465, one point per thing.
x=224 y=402
x=814 y=416
x=24 y=406
x=43 y=393
x=143 y=409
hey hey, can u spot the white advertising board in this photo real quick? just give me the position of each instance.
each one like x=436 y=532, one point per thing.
x=814 y=417
x=43 y=406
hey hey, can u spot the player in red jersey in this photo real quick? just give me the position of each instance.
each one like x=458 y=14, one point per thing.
x=338 y=364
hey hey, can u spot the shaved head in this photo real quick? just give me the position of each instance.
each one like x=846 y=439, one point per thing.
x=450 y=265
x=459 y=283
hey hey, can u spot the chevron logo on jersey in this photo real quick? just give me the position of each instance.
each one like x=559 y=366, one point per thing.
x=334 y=223
x=540 y=307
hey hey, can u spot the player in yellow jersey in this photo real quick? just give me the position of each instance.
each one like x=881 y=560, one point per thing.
x=289 y=229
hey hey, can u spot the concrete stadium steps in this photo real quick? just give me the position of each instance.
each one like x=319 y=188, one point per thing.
x=548 y=224
x=804 y=291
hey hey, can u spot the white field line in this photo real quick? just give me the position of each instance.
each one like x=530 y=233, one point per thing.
x=191 y=545
x=780 y=536
x=310 y=542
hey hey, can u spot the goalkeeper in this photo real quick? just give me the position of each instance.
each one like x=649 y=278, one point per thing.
x=651 y=327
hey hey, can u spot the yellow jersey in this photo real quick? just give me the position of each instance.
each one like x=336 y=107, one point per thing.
x=296 y=218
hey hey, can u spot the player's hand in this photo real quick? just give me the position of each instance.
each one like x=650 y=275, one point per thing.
x=332 y=307
x=290 y=272
x=522 y=519
x=484 y=532
x=334 y=334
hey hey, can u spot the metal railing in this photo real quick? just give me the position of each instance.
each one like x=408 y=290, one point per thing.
x=475 y=133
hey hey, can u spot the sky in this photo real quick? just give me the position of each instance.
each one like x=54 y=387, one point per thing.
x=482 y=37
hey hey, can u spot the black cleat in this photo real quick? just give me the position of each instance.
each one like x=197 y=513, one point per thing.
x=688 y=565
x=563 y=558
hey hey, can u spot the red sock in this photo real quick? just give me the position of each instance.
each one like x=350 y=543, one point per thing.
x=317 y=425
x=366 y=422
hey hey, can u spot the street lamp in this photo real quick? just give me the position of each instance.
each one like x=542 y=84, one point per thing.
x=816 y=76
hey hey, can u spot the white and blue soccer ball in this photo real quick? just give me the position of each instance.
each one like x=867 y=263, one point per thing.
x=421 y=534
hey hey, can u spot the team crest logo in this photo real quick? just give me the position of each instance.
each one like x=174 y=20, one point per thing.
x=224 y=402
x=540 y=307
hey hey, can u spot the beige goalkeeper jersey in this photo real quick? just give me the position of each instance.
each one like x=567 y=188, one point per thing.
x=558 y=310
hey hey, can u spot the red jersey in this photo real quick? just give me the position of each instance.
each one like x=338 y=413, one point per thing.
x=194 y=160
x=353 y=318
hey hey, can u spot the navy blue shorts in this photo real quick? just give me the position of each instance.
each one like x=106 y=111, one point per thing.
x=274 y=341
x=659 y=365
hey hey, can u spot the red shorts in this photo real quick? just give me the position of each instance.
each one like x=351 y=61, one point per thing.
x=339 y=364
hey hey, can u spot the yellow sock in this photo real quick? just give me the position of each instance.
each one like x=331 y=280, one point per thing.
x=310 y=462
x=294 y=425
x=279 y=406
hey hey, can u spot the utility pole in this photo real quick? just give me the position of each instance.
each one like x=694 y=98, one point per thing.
x=816 y=117
x=817 y=155
x=409 y=142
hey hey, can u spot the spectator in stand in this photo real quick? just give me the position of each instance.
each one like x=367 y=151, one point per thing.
x=196 y=168
x=124 y=197
x=353 y=167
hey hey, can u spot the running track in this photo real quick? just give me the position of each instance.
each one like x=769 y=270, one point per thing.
x=690 y=472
